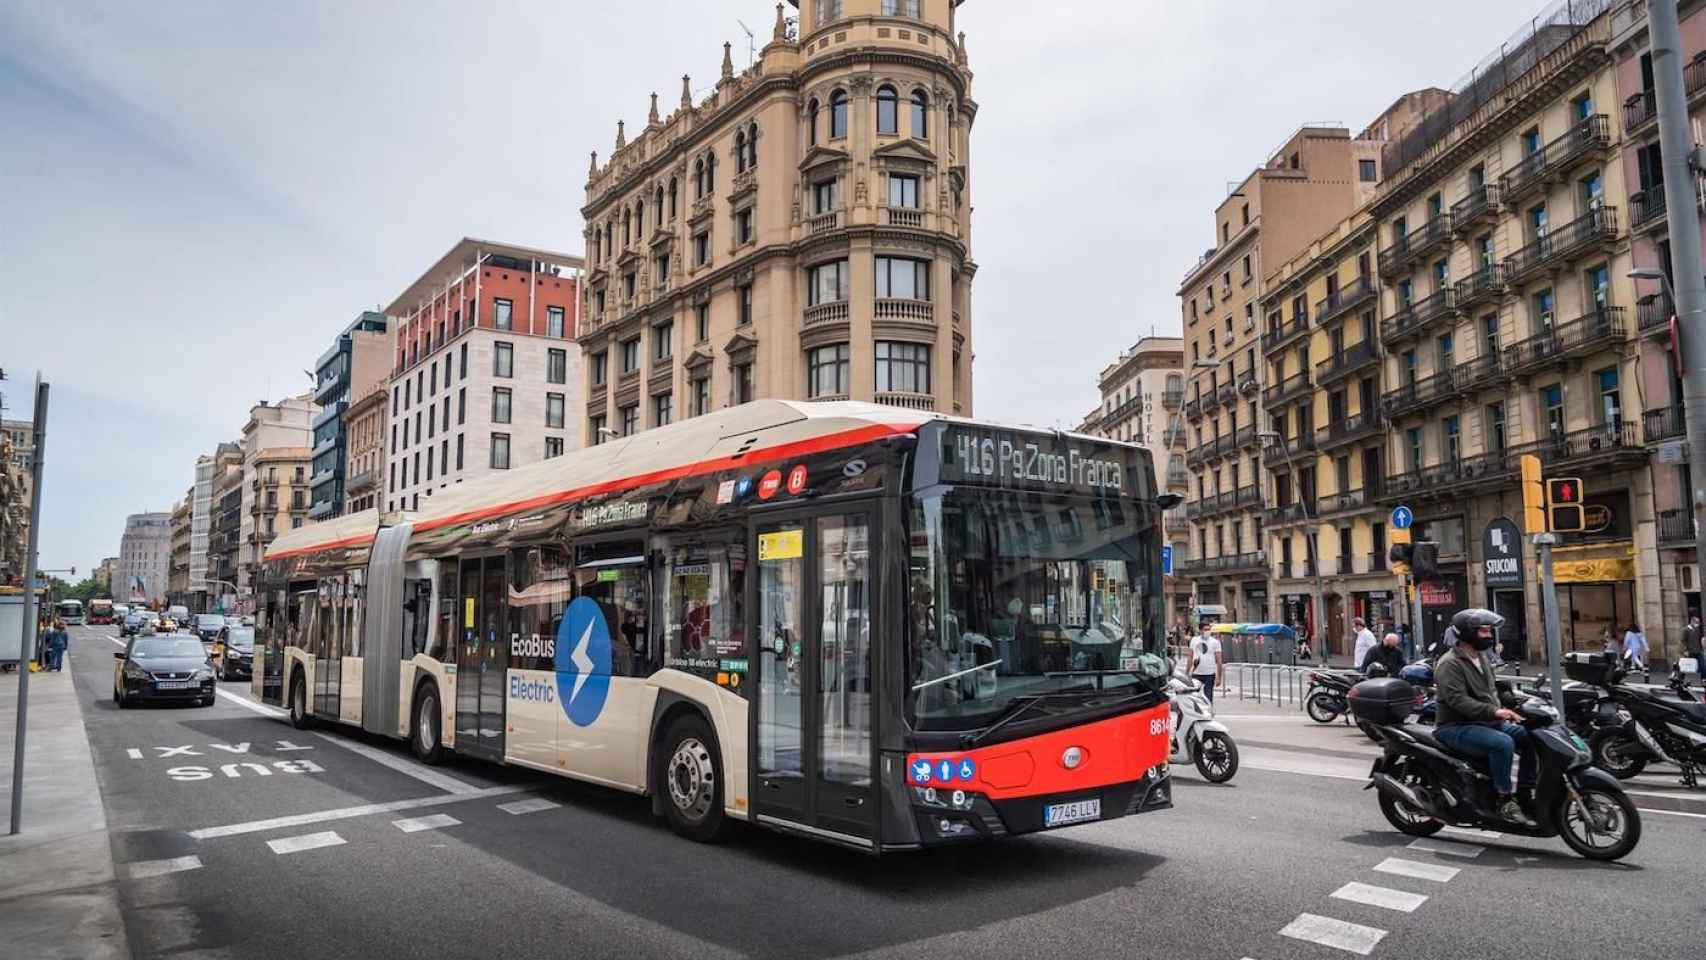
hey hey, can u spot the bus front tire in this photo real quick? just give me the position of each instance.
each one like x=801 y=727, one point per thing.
x=299 y=717
x=424 y=734
x=689 y=776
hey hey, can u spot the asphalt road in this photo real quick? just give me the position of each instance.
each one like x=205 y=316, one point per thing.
x=470 y=860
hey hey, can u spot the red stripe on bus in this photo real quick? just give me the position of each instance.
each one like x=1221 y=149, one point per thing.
x=799 y=448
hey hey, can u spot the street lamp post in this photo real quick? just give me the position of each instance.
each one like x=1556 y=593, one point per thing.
x=1317 y=614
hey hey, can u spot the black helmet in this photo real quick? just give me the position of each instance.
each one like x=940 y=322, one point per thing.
x=1377 y=670
x=1468 y=623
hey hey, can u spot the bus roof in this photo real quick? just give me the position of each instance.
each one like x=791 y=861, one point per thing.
x=758 y=431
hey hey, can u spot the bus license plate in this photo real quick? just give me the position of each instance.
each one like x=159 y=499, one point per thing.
x=1078 y=811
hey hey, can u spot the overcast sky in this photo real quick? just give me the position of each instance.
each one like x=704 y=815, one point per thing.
x=194 y=197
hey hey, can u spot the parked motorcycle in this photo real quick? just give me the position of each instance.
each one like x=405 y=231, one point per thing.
x=1199 y=738
x=1424 y=786
x=1325 y=700
x=1654 y=729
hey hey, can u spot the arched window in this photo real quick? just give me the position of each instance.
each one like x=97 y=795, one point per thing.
x=672 y=192
x=837 y=115
x=639 y=220
x=740 y=151
x=657 y=206
x=698 y=179
x=811 y=122
x=920 y=116
x=609 y=237
x=710 y=173
x=752 y=146
x=627 y=228
x=888 y=103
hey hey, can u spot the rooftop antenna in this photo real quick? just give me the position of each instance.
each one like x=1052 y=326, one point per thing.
x=751 y=42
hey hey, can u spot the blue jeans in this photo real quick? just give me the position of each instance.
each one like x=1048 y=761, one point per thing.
x=1207 y=682
x=1498 y=744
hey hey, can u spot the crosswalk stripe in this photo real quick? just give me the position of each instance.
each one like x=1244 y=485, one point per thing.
x=144 y=869
x=1384 y=897
x=1469 y=833
x=1416 y=871
x=1467 y=851
x=527 y=806
x=432 y=822
x=1338 y=934
x=307 y=841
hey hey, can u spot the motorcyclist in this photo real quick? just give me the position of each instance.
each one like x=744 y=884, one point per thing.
x=1389 y=655
x=1474 y=719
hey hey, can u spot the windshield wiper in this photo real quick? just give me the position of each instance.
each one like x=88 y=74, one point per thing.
x=1020 y=707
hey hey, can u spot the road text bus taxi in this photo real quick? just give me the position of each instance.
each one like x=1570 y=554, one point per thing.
x=871 y=626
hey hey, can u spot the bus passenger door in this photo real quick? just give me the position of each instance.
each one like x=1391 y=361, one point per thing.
x=481 y=654
x=815 y=593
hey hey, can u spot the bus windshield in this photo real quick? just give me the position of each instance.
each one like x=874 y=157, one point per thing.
x=1012 y=595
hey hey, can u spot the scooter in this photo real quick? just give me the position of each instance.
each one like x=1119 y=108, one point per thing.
x=1325 y=701
x=1424 y=786
x=1197 y=737
x=1665 y=731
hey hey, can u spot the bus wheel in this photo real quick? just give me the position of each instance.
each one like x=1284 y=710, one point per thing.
x=299 y=717
x=424 y=738
x=689 y=776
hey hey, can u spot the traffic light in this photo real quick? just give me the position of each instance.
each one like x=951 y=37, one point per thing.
x=1533 y=496
x=1424 y=560
x=1400 y=553
x=1564 y=504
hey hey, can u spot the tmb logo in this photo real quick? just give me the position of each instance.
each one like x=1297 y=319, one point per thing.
x=583 y=661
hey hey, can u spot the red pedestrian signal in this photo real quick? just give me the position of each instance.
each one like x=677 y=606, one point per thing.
x=1564 y=507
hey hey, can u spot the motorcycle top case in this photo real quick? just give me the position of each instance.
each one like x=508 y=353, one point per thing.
x=1597 y=669
x=1387 y=700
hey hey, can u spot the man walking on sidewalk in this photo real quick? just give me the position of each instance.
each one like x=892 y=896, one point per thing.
x=1206 y=662
x=1365 y=643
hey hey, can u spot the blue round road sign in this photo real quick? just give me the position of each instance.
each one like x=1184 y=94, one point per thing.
x=1402 y=517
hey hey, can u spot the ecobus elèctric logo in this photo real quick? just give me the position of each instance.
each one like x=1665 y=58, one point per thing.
x=582 y=661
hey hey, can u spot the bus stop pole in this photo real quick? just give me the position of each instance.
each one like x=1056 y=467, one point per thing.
x=30 y=612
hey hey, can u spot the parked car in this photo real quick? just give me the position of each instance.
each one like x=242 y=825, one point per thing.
x=233 y=653
x=163 y=668
x=208 y=625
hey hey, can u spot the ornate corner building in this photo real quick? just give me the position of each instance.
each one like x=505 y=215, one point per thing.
x=804 y=231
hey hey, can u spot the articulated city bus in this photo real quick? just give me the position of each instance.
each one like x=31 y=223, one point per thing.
x=871 y=626
x=70 y=611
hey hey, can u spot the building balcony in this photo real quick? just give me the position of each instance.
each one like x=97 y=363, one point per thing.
x=1350 y=429
x=1290 y=448
x=1639 y=110
x=1605 y=445
x=1453 y=476
x=1594 y=231
x=1213 y=450
x=1676 y=527
x=1479 y=372
x=1412 y=318
x=1237 y=563
x=910 y=401
x=1227 y=394
x=1419 y=394
x=1175 y=523
x=1358 y=292
x=1294 y=570
x=1177 y=476
x=818 y=314
x=1486 y=283
x=906 y=310
x=1285 y=334
x=1295 y=512
x=1580 y=337
x=1647 y=209
x=1335 y=503
x=1249 y=386
x=1293 y=386
x=1246 y=437
x=1664 y=423
x=1173 y=436
x=1414 y=245
x=321 y=510
x=1346 y=362
x=823 y=223
x=1193 y=410
x=1170 y=399
x=1195 y=456
x=361 y=482
x=1590 y=137
x=1482 y=204
x=904 y=216
x=1653 y=313
x=1210 y=401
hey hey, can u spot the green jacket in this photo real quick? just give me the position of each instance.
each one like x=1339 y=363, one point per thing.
x=1467 y=693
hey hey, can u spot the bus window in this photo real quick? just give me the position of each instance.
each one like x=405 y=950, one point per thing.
x=615 y=575
x=449 y=626
x=355 y=607
x=417 y=615
x=704 y=629
x=540 y=592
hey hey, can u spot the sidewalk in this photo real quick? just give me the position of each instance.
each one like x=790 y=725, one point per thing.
x=58 y=891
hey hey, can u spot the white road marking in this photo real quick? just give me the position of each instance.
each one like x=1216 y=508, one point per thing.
x=248 y=704
x=1385 y=897
x=308 y=841
x=133 y=753
x=144 y=869
x=1674 y=813
x=348 y=813
x=1416 y=871
x=1338 y=934
x=404 y=766
x=417 y=824
x=534 y=805
x=1467 y=851
x=1469 y=833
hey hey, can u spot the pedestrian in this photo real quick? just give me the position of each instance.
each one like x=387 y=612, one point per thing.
x=1608 y=642
x=1206 y=662
x=1691 y=635
x=1635 y=648
x=1387 y=655
x=58 y=641
x=1364 y=643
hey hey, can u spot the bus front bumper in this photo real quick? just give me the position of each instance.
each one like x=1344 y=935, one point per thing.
x=950 y=816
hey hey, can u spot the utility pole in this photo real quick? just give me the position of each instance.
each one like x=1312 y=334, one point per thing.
x=1549 y=612
x=1681 y=165
x=30 y=613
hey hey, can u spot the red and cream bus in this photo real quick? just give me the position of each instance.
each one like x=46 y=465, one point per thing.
x=876 y=627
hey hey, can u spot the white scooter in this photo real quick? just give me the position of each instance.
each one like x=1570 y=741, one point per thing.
x=1197 y=737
